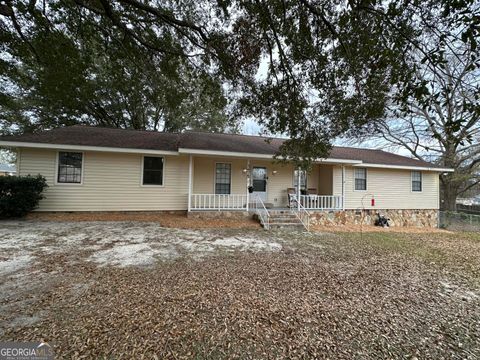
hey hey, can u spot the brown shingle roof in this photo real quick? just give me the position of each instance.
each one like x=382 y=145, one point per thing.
x=230 y=142
x=104 y=137
x=152 y=140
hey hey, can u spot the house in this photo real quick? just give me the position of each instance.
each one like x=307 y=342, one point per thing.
x=7 y=169
x=207 y=174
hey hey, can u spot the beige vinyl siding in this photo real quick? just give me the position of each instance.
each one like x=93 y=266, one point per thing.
x=277 y=184
x=204 y=175
x=325 y=180
x=391 y=189
x=111 y=181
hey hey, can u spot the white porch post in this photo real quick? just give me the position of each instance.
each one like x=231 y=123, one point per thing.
x=248 y=182
x=343 y=187
x=298 y=187
x=190 y=168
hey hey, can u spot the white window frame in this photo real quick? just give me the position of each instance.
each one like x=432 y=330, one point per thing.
x=57 y=163
x=421 y=181
x=163 y=172
x=215 y=176
x=354 y=178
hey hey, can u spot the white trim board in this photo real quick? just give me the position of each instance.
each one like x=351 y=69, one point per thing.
x=224 y=153
x=85 y=148
x=256 y=155
x=404 y=167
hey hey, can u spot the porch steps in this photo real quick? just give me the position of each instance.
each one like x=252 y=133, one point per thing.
x=281 y=219
x=267 y=205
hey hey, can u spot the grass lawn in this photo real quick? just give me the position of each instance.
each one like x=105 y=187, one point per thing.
x=136 y=290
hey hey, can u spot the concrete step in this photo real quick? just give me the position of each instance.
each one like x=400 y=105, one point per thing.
x=281 y=212
x=287 y=226
x=284 y=216
x=285 y=221
x=267 y=205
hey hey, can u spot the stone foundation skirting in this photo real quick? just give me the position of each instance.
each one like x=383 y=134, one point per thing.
x=414 y=218
x=212 y=214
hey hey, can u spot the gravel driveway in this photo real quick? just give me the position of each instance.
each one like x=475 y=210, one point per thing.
x=133 y=290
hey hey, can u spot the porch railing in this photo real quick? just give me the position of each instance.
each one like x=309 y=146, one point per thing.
x=322 y=202
x=219 y=202
x=262 y=212
x=302 y=214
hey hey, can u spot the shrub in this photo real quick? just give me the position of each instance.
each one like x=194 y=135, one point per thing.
x=20 y=194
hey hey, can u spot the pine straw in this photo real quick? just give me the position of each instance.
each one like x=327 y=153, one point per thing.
x=370 y=228
x=321 y=297
x=180 y=220
x=166 y=219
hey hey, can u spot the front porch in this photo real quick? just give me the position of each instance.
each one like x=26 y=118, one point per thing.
x=233 y=184
x=246 y=202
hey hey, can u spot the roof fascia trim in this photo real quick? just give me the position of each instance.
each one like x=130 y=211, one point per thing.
x=22 y=144
x=256 y=155
x=405 y=167
x=223 y=153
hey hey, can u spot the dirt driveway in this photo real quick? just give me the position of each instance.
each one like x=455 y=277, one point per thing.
x=133 y=290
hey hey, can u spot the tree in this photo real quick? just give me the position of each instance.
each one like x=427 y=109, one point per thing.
x=444 y=133
x=329 y=67
x=436 y=115
x=65 y=66
x=7 y=156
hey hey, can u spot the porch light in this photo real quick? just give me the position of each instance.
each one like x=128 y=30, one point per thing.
x=245 y=171
x=274 y=172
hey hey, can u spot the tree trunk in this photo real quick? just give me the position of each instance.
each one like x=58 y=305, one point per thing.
x=448 y=199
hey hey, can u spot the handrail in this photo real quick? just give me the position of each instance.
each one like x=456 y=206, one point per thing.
x=302 y=214
x=262 y=213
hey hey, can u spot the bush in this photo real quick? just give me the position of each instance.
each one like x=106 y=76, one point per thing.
x=20 y=194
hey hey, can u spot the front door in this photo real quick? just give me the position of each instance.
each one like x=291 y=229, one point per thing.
x=259 y=182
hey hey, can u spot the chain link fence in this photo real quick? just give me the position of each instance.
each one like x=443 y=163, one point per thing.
x=459 y=221
x=469 y=209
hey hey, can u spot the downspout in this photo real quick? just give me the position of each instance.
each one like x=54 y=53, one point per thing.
x=190 y=167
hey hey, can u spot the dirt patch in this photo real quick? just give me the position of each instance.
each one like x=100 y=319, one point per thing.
x=118 y=243
x=166 y=219
x=13 y=264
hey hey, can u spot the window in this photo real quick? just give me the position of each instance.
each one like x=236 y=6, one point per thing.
x=360 y=179
x=69 y=167
x=303 y=179
x=223 y=178
x=416 y=181
x=152 y=170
